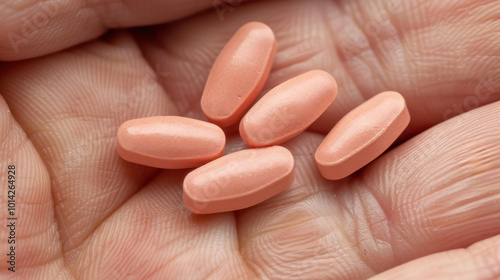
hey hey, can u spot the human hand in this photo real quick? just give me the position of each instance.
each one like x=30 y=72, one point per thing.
x=84 y=213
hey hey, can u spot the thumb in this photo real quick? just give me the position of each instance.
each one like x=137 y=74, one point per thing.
x=33 y=28
x=479 y=261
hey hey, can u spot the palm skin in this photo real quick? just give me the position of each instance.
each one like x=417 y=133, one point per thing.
x=84 y=213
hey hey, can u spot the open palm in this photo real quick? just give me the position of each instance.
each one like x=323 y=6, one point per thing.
x=84 y=213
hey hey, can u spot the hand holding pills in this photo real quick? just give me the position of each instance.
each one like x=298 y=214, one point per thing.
x=246 y=181
x=248 y=177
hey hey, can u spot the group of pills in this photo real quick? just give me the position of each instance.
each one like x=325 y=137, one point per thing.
x=242 y=179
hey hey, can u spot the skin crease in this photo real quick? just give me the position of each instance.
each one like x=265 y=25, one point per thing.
x=90 y=215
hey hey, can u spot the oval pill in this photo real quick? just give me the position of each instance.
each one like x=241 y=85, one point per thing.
x=238 y=180
x=288 y=109
x=170 y=142
x=239 y=74
x=362 y=135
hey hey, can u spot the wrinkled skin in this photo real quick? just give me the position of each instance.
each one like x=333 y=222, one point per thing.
x=429 y=207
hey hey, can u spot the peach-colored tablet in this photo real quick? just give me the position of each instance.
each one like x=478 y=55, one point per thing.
x=238 y=74
x=288 y=109
x=170 y=142
x=362 y=135
x=239 y=180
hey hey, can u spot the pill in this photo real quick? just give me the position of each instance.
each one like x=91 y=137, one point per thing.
x=362 y=135
x=239 y=74
x=238 y=180
x=170 y=142
x=288 y=109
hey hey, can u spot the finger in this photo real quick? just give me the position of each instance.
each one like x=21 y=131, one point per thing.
x=435 y=192
x=29 y=230
x=32 y=28
x=479 y=261
x=71 y=105
x=443 y=66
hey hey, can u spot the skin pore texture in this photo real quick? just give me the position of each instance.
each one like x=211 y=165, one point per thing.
x=88 y=214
